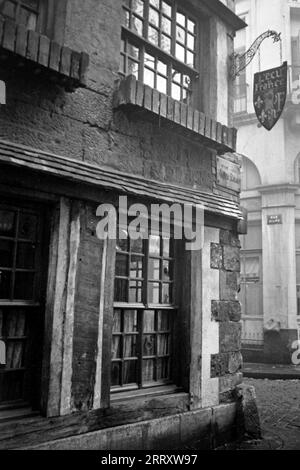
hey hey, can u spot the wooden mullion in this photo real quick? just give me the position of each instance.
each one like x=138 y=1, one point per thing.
x=13 y=278
x=122 y=349
x=173 y=29
x=146 y=19
x=140 y=348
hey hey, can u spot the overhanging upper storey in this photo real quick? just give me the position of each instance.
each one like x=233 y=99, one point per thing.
x=217 y=8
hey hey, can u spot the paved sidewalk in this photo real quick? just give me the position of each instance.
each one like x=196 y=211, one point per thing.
x=271 y=371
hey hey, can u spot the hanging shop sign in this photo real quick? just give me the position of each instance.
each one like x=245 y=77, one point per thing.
x=228 y=174
x=269 y=97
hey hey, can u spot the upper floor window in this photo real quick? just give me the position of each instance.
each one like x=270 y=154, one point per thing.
x=159 y=46
x=24 y=12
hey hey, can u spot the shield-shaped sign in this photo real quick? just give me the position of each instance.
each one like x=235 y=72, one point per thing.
x=270 y=89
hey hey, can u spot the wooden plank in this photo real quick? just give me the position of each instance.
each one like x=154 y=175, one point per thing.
x=207 y=132
x=59 y=304
x=75 y=65
x=190 y=118
x=9 y=35
x=213 y=132
x=170 y=108
x=155 y=102
x=139 y=99
x=68 y=331
x=147 y=97
x=183 y=115
x=234 y=138
x=219 y=132
x=163 y=105
x=21 y=40
x=196 y=122
x=84 y=64
x=54 y=59
x=65 y=61
x=202 y=124
x=225 y=135
x=32 y=46
x=177 y=112
x=130 y=89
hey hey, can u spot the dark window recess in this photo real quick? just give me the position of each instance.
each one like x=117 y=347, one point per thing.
x=21 y=318
x=144 y=314
x=24 y=12
x=159 y=46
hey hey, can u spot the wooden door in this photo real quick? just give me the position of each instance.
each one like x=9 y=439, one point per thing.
x=21 y=304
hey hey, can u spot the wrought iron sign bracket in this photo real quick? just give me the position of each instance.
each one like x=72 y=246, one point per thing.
x=241 y=61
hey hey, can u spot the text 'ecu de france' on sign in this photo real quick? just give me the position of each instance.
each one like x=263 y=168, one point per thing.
x=269 y=96
x=228 y=174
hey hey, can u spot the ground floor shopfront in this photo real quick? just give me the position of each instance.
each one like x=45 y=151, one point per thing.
x=112 y=343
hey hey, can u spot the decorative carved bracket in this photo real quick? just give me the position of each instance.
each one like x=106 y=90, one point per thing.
x=241 y=61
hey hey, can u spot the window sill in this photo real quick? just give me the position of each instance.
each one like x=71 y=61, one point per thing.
x=133 y=93
x=117 y=396
x=40 y=55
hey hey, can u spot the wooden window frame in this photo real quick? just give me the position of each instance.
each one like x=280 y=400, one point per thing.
x=140 y=308
x=188 y=91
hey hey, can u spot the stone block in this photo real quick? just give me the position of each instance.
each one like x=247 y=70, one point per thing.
x=231 y=258
x=216 y=256
x=248 y=416
x=223 y=311
x=229 y=238
x=230 y=336
x=226 y=363
x=229 y=284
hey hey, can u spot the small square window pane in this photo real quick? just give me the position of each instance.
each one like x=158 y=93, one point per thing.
x=130 y=321
x=154 y=245
x=180 y=52
x=165 y=43
x=116 y=347
x=148 y=371
x=166 y=247
x=7 y=224
x=5 y=284
x=137 y=25
x=153 y=35
x=27 y=227
x=150 y=61
x=190 y=59
x=176 y=76
x=176 y=92
x=122 y=242
x=186 y=81
x=167 y=294
x=6 y=253
x=180 y=34
x=25 y=256
x=130 y=372
x=166 y=8
x=129 y=346
x=155 y=3
x=167 y=271
x=163 y=369
x=154 y=269
x=191 y=26
x=163 y=321
x=117 y=315
x=136 y=246
x=149 y=321
x=133 y=51
x=161 y=84
x=190 y=41
x=166 y=25
x=135 y=292
x=180 y=18
x=163 y=345
x=126 y=18
x=149 y=77
x=121 y=290
x=154 y=17
x=149 y=345
x=153 y=292
x=138 y=7
x=24 y=282
x=115 y=373
x=133 y=68
x=162 y=67
x=121 y=265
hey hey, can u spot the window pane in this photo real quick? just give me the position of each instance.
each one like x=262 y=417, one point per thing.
x=116 y=373
x=161 y=84
x=180 y=34
x=180 y=18
x=130 y=372
x=153 y=35
x=190 y=59
x=149 y=77
x=122 y=244
x=166 y=8
x=167 y=294
x=155 y=3
x=5 y=284
x=122 y=265
x=116 y=347
x=129 y=346
x=154 y=245
x=190 y=41
x=117 y=321
x=148 y=370
x=24 y=286
x=163 y=321
x=126 y=18
x=130 y=321
x=154 y=269
x=136 y=246
x=149 y=345
x=166 y=25
x=166 y=247
x=191 y=26
x=25 y=256
x=163 y=369
x=138 y=7
x=167 y=271
x=150 y=61
x=153 y=293
x=121 y=290
x=166 y=43
x=135 y=292
x=149 y=321
x=136 y=266
x=6 y=253
x=163 y=346
x=7 y=223
x=176 y=92
x=133 y=68
x=162 y=67
x=153 y=17
x=180 y=52
x=137 y=25
x=133 y=51
x=28 y=227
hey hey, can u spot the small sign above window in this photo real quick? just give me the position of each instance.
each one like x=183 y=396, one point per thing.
x=275 y=219
x=228 y=174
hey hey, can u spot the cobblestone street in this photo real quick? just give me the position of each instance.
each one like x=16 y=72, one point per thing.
x=279 y=408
